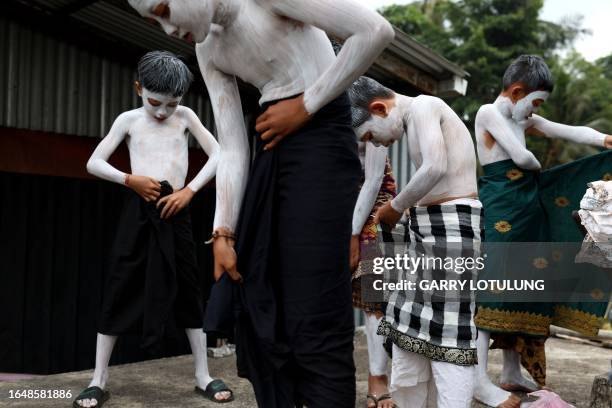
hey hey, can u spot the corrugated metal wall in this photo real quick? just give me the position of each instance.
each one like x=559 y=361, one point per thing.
x=50 y=85
x=400 y=162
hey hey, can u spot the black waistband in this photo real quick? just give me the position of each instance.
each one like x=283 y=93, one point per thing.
x=166 y=189
x=341 y=100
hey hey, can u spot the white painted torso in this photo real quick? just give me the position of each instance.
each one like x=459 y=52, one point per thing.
x=459 y=180
x=279 y=56
x=500 y=137
x=280 y=47
x=159 y=149
x=488 y=150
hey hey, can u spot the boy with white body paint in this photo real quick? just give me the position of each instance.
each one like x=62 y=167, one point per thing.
x=441 y=194
x=377 y=188
x=500 y=135
x=293 y=282
x=153 y=266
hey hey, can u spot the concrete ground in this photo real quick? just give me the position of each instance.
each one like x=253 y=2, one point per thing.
x=167 y=383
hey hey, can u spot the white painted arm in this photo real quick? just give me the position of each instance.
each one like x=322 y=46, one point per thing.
x=577 y=134
x=491 y=119
x=366 y=34
x=233 y=160
x=375 y=160
x=98 y=162
x=427 y=123
x=210 y=147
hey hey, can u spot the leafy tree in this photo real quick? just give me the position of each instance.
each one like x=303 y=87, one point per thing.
x=484 y=36
x=582 y=97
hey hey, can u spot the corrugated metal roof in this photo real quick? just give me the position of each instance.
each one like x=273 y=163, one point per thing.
x=130 y=28
x=50 y=4
x=50 y=85
x=419 y=54
x=117 y=19
x=90 y=90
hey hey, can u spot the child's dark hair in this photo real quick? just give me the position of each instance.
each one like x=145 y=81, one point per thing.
x=361 y=93
x=164 y=73
x=532 y=71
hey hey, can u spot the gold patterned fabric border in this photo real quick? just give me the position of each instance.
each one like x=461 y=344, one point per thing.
x=577 y=320
x=462 y=357
x=506 y=321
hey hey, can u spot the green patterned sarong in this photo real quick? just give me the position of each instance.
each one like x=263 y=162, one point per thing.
x=527 y=206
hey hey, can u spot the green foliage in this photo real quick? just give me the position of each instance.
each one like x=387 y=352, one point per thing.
x=484 y=36
x=582 y=97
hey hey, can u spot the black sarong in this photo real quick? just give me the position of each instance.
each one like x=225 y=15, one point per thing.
x=294 y=328
x=153 y=272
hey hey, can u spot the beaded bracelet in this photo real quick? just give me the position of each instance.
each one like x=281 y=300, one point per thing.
x=217 y=234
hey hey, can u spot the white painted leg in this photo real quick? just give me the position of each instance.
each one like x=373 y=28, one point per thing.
x=197 y=341
x=484 y=390
x=104 y=349
x=511 y=373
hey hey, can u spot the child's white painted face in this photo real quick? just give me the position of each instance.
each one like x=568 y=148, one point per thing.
x=527 y=106
x=159 y=106
x=382 y=130
x=185 y=19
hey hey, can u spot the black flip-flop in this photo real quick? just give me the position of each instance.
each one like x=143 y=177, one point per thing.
x=214 y=387
x=94 y=392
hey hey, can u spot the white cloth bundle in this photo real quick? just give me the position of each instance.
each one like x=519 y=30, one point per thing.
x=596 y=211
x=596 y=217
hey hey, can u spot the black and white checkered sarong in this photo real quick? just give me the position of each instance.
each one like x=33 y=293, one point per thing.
x=437 y=324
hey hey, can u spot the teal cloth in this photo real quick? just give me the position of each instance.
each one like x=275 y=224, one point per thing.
x=529 y=206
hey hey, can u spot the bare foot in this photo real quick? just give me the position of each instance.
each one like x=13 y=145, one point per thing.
x=517 y=383
x=520 y=385
x=493 y=396
x=512 y=402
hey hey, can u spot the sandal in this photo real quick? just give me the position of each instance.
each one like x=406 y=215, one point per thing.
x=94 y=392
x=213 y=388
x=383 y=397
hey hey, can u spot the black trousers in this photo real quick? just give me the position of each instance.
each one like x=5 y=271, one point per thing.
x=295 y=327
x=153 y=273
